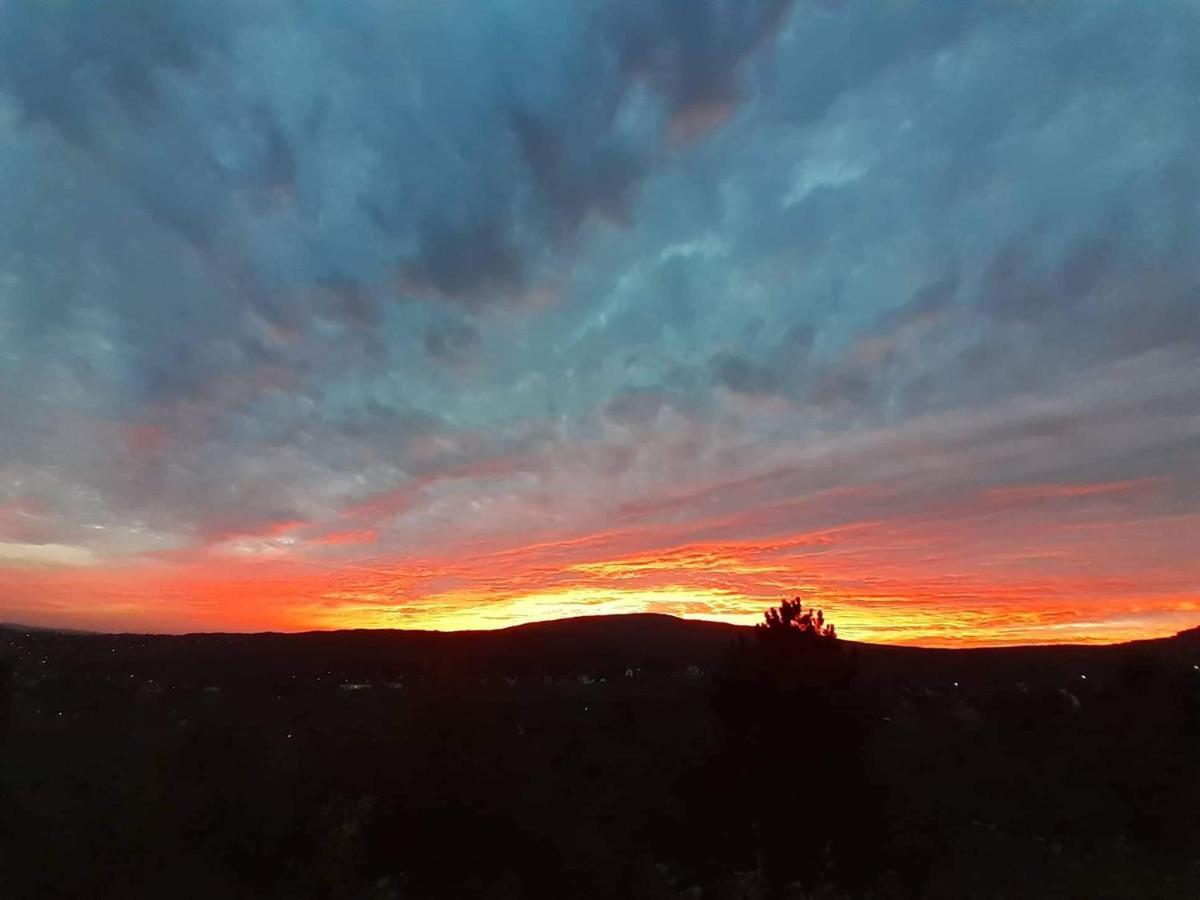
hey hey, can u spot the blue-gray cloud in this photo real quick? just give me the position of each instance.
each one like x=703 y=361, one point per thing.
x=262 y=260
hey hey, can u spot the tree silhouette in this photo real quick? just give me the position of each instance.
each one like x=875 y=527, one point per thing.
x=795 y=649
x=791 y=618
x=791 y=702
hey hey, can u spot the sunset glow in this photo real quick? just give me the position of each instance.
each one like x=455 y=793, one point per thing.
x=413 y=317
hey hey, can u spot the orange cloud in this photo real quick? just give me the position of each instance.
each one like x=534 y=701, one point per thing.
x=967 y=571
x=340 y=538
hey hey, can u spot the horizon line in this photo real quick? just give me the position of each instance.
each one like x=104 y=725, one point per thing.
x=970 y=645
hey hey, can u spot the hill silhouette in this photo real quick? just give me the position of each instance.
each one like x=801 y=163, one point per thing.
x=599 y=645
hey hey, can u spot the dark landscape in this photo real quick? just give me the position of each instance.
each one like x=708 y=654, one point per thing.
x=397 y=395
x=636 y=756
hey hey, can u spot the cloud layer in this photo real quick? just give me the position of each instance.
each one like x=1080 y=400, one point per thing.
x=453 y=315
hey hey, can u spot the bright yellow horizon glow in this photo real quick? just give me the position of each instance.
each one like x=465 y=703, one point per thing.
x=903 y=599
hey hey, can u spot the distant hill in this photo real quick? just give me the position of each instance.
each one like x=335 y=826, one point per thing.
x=600 y=645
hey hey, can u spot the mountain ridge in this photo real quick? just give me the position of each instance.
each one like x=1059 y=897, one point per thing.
x=594 y=646
x=574 y=623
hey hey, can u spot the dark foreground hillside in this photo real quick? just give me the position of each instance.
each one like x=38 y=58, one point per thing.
x=639 y=756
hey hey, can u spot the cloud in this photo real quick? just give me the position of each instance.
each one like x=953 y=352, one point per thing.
x=471 y=263
x=64 y=61
x=691 y=53
x=45 y=554
x=451 y=341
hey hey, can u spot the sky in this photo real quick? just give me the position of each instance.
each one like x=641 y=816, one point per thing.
x=460 y=314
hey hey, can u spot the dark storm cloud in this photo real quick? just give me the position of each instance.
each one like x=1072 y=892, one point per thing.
x=475 y=262
x=65 y=62
x=691 y=52
x=581 y=177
